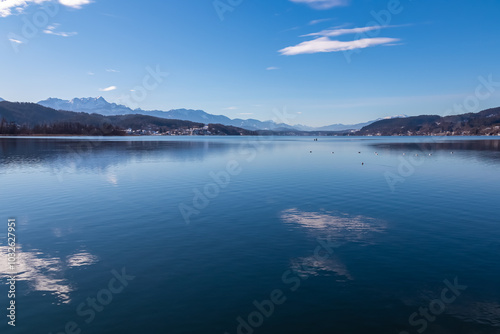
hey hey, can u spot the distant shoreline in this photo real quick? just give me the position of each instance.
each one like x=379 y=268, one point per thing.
x=258 y=135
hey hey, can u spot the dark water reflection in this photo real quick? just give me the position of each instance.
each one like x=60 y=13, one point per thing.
x=28 y=151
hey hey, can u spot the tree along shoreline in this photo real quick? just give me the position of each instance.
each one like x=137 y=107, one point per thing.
x=60 y=128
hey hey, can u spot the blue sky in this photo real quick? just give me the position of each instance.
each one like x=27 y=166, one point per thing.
x=323 y=61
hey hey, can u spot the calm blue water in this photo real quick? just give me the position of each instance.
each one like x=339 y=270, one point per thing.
x=252 y=235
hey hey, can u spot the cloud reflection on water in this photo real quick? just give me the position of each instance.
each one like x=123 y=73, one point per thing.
x=81 y=259
x=339 y=228
x=43 y=273
x=312 y=266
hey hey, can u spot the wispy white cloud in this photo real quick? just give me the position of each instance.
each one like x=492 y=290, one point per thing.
x=325 y=44
x=340 y=32
x=75 y=3
x=90 y=73
x=272 y=68
x=107 y=89
x=231 y=108
x=13 y=40
x=323 y=4
x=313 y=22
x=112 y=70
x=51 y=30
x=8 y=7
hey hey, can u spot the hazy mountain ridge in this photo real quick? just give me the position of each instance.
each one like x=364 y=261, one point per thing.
x=28 y=115
x=100 y=106
x=31 y=115
x=344 y=127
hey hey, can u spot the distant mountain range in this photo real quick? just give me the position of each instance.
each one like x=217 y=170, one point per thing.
x=100 y=106
x=343 y=127
x=28 y=118
x=31 y=118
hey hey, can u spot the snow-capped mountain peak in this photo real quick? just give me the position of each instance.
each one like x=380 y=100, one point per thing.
x=87 y=104
x=99 y=105
x=397 y=116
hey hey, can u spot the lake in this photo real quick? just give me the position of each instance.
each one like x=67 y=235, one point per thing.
x=252 y=234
